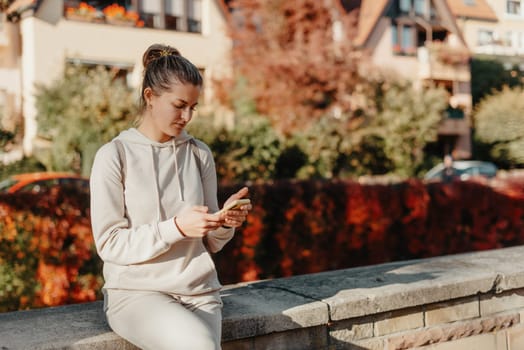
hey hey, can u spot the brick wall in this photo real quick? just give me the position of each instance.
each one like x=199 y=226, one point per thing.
x=457 y=302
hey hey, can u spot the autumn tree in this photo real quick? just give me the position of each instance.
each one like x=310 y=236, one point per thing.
x=296 y=57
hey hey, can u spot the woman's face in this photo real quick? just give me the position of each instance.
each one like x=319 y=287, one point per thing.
x=167 y=114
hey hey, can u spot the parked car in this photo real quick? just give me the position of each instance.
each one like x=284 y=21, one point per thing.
x=464 y=169
x=42 y=181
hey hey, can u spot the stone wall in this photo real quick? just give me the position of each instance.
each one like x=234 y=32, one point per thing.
x=466 y=301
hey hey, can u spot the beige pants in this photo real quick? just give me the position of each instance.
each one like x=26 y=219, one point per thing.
x=156 y=321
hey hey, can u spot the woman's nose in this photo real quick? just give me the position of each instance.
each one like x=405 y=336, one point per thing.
x=186 y=114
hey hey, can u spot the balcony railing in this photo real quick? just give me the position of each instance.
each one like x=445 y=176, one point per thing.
x=119 y=15
x=439 y=60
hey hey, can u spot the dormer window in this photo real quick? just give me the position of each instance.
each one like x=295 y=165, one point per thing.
x=414 y=7
x=513 y=7
x=403 y=39
x=405 y=6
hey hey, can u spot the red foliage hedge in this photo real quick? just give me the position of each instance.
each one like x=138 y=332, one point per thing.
x=47 y=255
x=306 y=227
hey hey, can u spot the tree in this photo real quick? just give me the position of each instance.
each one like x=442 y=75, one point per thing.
x=296 y=57
x=489 y=75
x=405 y=119
x=79 y=113
x=499 y=122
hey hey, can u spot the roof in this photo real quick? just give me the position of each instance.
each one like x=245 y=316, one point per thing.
x=478 y=9
x=372 y=10
x=369 y=14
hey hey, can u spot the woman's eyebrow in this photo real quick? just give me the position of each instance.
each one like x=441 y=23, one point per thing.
x=185 y=102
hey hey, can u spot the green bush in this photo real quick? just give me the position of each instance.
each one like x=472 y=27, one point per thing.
x=247 y=152
x=499 y=123
x=25 y=165
x=79 y=113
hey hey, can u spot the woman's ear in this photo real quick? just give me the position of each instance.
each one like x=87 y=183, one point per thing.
x=148 y=95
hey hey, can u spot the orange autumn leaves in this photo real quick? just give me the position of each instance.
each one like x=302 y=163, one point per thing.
x=47 y=255
x=46 y=251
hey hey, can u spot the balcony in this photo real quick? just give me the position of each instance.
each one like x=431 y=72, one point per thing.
x=441 y=61
x=454 y=123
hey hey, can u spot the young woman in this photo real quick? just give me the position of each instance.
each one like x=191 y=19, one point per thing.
x=154 y=220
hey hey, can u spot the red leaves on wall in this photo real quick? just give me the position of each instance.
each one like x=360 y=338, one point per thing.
x=305 y=227
x=47 y=255
x=46 y=248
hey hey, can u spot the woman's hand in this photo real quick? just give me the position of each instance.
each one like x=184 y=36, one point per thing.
x=235 y=217
x=197 y=222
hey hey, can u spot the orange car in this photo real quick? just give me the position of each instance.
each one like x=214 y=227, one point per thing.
x=40 y=181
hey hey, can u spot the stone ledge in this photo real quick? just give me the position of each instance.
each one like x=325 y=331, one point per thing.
x=309 y=301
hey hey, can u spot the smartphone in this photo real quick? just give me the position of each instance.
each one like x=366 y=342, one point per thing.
x=234 y=205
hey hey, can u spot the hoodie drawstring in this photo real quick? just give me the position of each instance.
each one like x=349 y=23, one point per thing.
x=177 y=174
x=156 y=185
x=157 y=191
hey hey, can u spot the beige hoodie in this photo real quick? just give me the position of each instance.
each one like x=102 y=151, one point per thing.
x=133 y=224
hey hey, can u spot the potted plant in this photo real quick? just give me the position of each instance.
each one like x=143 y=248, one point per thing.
x=118 y=15
x=84 y=12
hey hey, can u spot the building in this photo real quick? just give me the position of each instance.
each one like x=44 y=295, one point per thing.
x=492 y=28
x=38 y=38
x=421 y=40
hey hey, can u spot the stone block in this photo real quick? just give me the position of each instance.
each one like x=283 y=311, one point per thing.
x=297 y=339
x=344 y=332
x=462 y=309
x=259 y=309
x=397 y=321
x=510 y=300
x=515 y=337
x=241 y=344
x=368 y=344
x=492 y=341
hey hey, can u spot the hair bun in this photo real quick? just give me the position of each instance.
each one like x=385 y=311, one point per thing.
x=157 y=51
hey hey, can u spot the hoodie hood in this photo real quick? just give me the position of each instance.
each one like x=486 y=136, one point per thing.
x=134 y=136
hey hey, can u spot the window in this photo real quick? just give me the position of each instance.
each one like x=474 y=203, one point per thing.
x=513 y=7
x=485 y=37
x=194 y=16
x=420 y=7
x=407 y=38
x=405 y=6
x=121 y=71
x=403 y=39
x=508 y=39
x=182 y=15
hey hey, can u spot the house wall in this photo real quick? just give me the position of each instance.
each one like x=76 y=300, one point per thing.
x=382 y=52
x=508 y=30
x=49 y=40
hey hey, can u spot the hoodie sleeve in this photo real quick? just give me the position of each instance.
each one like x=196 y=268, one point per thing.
x=216 y=239
x=115 y=241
